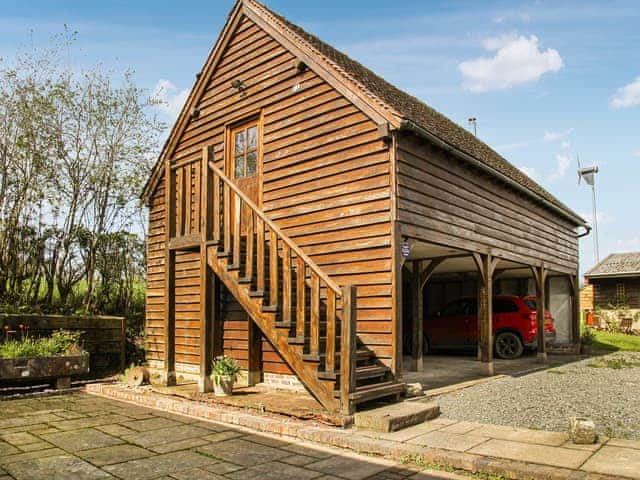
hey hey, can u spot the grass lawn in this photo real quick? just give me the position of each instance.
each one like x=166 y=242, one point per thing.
x=616 y=342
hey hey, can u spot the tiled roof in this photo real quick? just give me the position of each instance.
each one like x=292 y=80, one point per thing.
x=617 y=264
x=423 y=115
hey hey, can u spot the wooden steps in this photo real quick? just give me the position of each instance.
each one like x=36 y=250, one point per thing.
x=375 y=391
x=305 y=315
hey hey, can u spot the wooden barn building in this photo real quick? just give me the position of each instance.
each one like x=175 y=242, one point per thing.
x=295 y=192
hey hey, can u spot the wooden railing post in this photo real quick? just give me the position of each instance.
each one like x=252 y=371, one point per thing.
x=205 y=210
x=348 y=349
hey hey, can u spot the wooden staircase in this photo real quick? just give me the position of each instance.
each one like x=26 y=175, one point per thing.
x=307 y=317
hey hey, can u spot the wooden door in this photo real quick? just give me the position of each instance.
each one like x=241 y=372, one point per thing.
x=243 y=164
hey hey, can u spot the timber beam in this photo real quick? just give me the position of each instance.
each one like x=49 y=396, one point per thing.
x=540 y=277
x=486 y=264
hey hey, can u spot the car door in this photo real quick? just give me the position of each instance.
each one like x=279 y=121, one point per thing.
x=452 y=325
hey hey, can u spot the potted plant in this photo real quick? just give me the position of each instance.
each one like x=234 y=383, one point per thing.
x=586 y=341
x=225 y=370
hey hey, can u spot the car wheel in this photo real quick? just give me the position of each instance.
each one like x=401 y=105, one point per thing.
x=508 y=345
x=425 y=345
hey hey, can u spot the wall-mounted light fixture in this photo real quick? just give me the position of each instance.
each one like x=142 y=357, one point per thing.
x=195 y=113
x=238 y=85
x=405 y=248
x=301 y=67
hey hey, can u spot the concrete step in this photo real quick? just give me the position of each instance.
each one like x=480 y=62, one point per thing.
x=396 y=416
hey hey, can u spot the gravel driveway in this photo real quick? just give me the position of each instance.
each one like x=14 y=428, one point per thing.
x=606 y=389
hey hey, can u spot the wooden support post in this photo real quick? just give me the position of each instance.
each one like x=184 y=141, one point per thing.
x=205 y=201
x=169 y=319
x=575 y=309
x=416 y=317
x=254 y=375
x=205 y=383
x=486 y=264
x=540 y=277
x=348 y=350
x=169 y=356
x=123 y=344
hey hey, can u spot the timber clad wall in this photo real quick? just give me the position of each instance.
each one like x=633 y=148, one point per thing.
x=156 y=302
x=442 y=200
x=187 y=316
x=606 y=291
x=325 y=182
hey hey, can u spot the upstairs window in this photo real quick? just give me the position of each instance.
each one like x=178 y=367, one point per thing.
x=245 y=150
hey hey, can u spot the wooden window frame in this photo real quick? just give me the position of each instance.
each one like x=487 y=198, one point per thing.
x=246 y=122
x=244 y=126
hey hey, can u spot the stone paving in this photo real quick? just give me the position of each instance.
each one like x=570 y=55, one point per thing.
x=507 y=452
x=79 y=436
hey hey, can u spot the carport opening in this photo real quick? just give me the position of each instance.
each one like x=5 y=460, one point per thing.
x=450 y=292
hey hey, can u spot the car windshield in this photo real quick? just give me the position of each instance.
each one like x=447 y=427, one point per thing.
x=531 y=303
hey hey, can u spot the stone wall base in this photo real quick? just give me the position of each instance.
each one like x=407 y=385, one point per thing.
x=191 y=373
x=283 y=382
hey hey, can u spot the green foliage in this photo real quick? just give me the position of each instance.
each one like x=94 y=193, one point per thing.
x=61 y=342
x=616 y=363
x=75 y=150
x=224 y=366
x=587 y=337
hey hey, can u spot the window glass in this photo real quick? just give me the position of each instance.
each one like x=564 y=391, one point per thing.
x=459 y=307
x=251 y=162
x=531 y=303
x=252 y=138
x=245 y=151
x=504 y=306
x=238 y=170
x=239 y=143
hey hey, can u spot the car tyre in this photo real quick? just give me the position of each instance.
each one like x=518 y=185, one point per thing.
x=508 y=345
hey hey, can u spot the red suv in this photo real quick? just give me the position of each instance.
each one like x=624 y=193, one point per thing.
x=514 y=325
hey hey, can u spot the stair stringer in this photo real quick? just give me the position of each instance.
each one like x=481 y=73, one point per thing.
x=322 y=390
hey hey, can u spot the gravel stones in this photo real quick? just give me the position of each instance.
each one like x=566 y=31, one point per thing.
x=547 y=399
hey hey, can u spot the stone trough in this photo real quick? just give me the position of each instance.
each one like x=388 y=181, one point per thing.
x=56 y=370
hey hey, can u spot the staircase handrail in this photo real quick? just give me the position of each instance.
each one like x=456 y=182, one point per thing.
x=275 y=229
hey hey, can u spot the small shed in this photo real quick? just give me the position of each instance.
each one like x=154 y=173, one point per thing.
x=616 y=281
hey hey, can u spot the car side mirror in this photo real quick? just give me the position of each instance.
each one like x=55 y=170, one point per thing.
x=438 y=314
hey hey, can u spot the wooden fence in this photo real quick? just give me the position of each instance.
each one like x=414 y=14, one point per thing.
x=104 y=337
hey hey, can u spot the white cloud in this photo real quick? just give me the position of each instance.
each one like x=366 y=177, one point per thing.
x=563 y=162
x=636 y=154
x=171 y=100
x=566 y=144
x=603 y=218
x=517 y=60
x=530 y=171
x=627 y=96
x=553 y=136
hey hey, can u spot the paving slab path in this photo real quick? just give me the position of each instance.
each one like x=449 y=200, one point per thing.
x=78 y=436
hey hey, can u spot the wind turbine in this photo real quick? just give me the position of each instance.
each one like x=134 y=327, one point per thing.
x=589 y=176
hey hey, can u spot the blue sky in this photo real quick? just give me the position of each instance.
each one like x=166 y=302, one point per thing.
x=547 y=81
